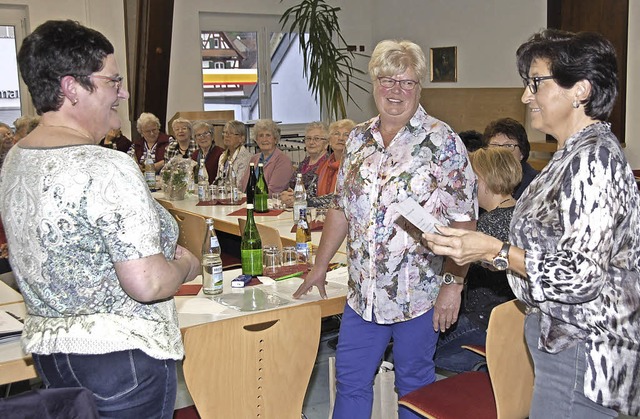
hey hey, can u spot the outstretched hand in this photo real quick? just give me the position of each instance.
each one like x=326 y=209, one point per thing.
x=463 y=246
x=315 y=278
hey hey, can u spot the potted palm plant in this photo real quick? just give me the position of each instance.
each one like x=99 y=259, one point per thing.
x=328 y=68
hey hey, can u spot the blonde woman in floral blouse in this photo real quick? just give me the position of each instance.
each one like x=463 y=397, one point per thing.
x=395 y=284
x=575 y=236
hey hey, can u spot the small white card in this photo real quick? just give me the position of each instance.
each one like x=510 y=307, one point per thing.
x=418 y=216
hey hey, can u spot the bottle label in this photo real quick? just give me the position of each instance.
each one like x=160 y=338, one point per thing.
x=202 y=192
x=251 y=261
x=302 y=250
x=212 y=275
x=296 y=210
x=150 y=178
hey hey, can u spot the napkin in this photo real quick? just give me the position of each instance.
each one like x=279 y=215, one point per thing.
x=243 y=213
x=219 y=202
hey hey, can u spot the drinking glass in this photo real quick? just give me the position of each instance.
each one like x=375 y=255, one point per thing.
x=271 y=258
x=289 y=256
x=274 y=201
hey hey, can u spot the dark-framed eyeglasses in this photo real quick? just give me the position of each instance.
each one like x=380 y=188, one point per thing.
x=534 y=82
x=388 y=83
x=508 y=145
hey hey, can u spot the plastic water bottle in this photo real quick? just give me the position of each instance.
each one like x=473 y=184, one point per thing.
x=299 y=197
x=149 y=172
x=204 y=193
x=211 y=262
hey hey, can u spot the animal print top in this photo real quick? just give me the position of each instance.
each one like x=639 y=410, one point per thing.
x=579 y=222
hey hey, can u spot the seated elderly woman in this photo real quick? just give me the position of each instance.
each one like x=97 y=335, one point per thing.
x=207 y=151
x=116 y=140
x=6 y=141
x=234 y=162
x=328 y=171
x=277 y=165
x=184 y=144
x=315 y=142
x=152 y=142
x=498 y=172
x=510 y=134
x=24 y=125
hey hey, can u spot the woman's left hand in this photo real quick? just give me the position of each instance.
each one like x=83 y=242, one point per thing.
x=463 y=246
x=287 y=197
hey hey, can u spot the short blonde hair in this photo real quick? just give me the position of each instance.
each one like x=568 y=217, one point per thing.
x=396 y=56
x=146 y=118
x=269 y=126
x=498 y=168
x=185 y=121
x=342 y=123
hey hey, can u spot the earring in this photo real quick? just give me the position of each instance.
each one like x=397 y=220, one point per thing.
x=576 y=103
x=74 y=102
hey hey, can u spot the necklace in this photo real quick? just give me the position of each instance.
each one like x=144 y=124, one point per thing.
x=82 y=134
x=503 y=202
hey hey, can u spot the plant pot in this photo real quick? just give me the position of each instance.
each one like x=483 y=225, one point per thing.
x=177 y=193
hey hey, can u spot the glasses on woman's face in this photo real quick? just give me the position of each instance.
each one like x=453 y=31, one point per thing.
x=203 y=135
x=534 y=82
x=510 y=146
x=314 y=139
x=341 y=134
x=229 y=133
x=388 y=83
x=116 y=80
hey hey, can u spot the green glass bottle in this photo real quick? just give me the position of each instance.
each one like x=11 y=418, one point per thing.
x=251 y=246
x=262 y=191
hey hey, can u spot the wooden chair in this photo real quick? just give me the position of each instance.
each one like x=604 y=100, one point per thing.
x=504 y=393
x=192 y=230
x=252 y=366
x=164 y=203
x=269 y=235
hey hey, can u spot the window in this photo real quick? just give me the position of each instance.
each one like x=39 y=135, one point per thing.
x=256 y=71
x=14 y=98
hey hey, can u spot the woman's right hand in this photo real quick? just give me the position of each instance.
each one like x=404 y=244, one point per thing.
x=316 y=277
x=190 y=260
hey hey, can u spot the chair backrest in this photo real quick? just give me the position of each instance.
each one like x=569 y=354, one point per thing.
x=164 y=203
x=252 y=366
x=192 y=230
x=269 y=235
x=511 y=370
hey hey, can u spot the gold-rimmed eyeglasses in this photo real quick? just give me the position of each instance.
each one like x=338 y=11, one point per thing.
x=388 y=83
x=314 y=139
x=203 y=134
x=534 y=82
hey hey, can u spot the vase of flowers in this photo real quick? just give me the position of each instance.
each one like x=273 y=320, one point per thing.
x=175 y=177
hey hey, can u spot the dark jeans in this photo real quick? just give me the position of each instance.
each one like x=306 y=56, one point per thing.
x=450 y=355
x=126 y=384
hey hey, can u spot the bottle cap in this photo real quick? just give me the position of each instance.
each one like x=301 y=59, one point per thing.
x=260 y=165
x=249 y=206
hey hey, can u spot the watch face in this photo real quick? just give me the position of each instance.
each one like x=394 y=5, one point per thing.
x=500 y=263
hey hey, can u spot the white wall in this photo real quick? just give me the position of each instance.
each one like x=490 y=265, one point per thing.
x=486 y=33
x=106 y=16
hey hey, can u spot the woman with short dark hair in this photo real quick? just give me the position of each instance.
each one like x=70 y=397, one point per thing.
x=574 y=247
x=93 y=253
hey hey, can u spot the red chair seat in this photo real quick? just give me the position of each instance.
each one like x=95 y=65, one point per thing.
x=462 y=396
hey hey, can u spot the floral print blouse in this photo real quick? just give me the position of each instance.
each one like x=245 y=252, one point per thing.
x=70 y=213
x=393 y=276
x=579 y=223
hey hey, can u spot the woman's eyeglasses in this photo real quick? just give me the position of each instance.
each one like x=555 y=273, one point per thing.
x=388 y=83
x=534 y=82
x=509 y=146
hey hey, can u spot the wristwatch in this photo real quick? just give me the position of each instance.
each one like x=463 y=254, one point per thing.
x=501 y=260
x=449 y=278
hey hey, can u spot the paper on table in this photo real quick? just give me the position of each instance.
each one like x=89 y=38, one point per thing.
x=9 y=326
x=418 y=216
x=197 y=305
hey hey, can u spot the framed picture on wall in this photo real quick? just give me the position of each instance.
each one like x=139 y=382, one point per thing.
x=444 y=64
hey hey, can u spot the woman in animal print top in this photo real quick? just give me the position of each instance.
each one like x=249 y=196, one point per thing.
x=575 y=236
